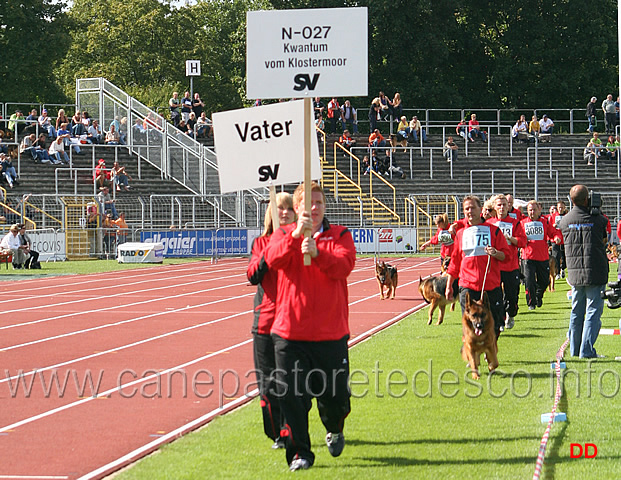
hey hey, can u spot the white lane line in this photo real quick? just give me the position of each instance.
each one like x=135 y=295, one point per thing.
x=119 y=387
x=33 y=477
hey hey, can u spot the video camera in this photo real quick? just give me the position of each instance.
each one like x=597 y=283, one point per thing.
x=613 y=295
x=595 y=203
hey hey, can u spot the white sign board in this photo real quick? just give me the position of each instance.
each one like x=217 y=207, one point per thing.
x=263 y=146
x=49 y=244
x=192 y=68
x=311 y=52
x=140 y=252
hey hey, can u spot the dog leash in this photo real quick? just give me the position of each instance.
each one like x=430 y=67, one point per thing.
x=489 y=259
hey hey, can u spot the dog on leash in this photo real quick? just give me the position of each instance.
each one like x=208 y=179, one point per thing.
x=479 y=335
x=432 y=290
x=388 y=277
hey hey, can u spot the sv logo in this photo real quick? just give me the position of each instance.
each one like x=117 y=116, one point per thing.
x=303 y=81
x=267 y=173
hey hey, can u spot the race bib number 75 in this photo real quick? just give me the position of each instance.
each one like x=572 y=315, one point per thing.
x=475 y=239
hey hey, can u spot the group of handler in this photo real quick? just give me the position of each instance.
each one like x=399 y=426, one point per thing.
x=301 y=325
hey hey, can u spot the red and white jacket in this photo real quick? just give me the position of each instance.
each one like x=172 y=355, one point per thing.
x=538 y=232
x=312 y=301
x=265 y=299
x=512 y=227
x=469 y=260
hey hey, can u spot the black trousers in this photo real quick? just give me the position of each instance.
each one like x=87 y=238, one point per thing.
x=32 y=259
x=307 y=370
x=495 y=302
x=511 y=291
x=265 y=364
x=558 y=253
x=537 y=279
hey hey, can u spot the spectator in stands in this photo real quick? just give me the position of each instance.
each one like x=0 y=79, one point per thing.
x=597 y=143
x=320 y=126
x=474 y=130
x=385 y=106
x=520 y=129
x=183 y=127
x=120 y=177
x=106 y=202
x=610 y=113
x=94 y=134
x=10 y=244
x=77 y=127
x=461 y=128
x=334 y=113
x=318 y=107
x=112 y=137
x=416 y=129
x=30 y=145
x=403 y=129
x=546 y=125
x=123 y=131
x=366 y=165
x=122 y=229
x=174 y=103
x=32 y=257
x=374 y=113
x=612 y=147
x=4 y=148
x=186 y=106
x=346 y=141
x=450 y=150
x=86 y=120
x=191 y=123
x=17 y=123
x=66 y=136
x=31 y=122
x=101 y=174
x=534 y=128
x=203 y=126
x=57 y=149
x=397 y=106
x=8 y=170
x=590 y=153
x=349 y=116
x=139 y=133
x=109 y=232
x=61 y=118
x=591 y=110
x=197 y=105
x=376 y=139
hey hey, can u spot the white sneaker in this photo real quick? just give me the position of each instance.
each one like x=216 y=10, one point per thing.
x=509 y=322
x=299 y=463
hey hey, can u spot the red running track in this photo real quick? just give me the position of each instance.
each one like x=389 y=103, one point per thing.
x=100 y=370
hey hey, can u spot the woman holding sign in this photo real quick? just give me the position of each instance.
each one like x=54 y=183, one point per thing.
x=479 y=249
x=264 y=309
x=535 y=256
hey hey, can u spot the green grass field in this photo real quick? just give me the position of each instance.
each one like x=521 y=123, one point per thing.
x=417 y=414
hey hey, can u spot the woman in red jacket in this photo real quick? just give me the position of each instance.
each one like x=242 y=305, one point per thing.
x=264 y=311
x=535 y=256
x=443 y=236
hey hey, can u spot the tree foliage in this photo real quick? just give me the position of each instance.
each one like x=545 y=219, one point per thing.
x=32 y=42
x=436 y=53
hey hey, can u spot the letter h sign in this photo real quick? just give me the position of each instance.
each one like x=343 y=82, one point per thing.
x=192 y=68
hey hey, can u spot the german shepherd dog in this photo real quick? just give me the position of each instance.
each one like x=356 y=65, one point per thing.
x=478 y=335
x=432 y=290
x=388 y=277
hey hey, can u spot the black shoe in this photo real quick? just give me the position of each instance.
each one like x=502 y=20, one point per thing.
x=539 y=302
x=17 y=266
x=336 y=443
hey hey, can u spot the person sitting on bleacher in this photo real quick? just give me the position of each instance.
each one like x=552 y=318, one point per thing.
x=520 y=129
x=203 y=124
x=57 y=149
x=64 y=132
x=546 y=125
x=30 y=145
x=474 y=129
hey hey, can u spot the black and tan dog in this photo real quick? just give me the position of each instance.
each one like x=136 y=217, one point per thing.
x=432 y=290
x=478 y=335
x=388 y=277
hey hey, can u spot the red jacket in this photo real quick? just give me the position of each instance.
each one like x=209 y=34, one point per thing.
x=312 y=301
x=538 y=232
x=515 y=213
x=469 y=260
x=265 y=298
x=513 y=228
x=448 y=242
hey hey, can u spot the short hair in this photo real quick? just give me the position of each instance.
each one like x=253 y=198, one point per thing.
x=579 y=195
x=472 y=198
x=283 y=199
x=299 y=192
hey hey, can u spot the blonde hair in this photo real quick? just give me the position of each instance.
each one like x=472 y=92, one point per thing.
x=441 y=219
x=283 y=200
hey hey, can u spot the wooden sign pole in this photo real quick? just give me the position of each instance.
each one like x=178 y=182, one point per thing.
x=308 y=131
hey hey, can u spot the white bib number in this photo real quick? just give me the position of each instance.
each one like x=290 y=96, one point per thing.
x=506 y=229
x=534 y=231
x=474 y=241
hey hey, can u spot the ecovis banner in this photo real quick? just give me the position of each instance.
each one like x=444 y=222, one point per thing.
x=49 y=244
x=310 y=52
x=263 y=146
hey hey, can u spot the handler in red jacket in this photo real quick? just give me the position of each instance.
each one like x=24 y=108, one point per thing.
x=478 y=245
x=535 y=255
x=509 y=269
x=264 y=312
x=311 y=327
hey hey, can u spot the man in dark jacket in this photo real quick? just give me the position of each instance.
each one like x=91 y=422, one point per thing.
x=584 y=231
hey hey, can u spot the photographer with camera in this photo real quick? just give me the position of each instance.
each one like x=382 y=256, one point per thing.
x=584 y=232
